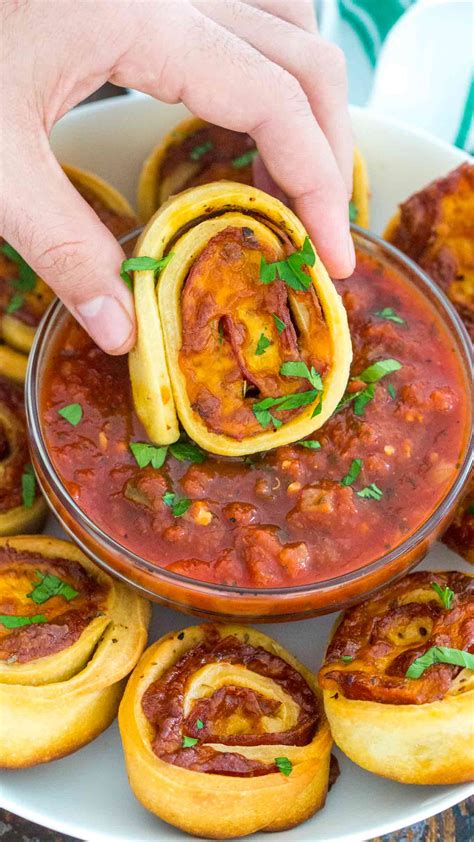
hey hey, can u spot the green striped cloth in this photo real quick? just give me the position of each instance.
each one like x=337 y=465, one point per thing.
x=360 y=28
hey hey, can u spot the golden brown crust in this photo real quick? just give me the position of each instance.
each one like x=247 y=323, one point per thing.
x=435 y=227
x=57 y=699
x=223 y=805
x=185 y=225
x=460 y=534
x=17 y=514
x=413 y=730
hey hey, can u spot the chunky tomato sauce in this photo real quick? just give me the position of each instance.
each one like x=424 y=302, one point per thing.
x=285 y=517
x=231 y=715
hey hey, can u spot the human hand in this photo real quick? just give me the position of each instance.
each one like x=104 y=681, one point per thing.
x=256 y=66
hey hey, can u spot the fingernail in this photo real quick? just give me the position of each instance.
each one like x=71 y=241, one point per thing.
x=107 y=322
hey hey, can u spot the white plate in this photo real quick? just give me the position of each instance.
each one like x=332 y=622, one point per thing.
x=86 y=795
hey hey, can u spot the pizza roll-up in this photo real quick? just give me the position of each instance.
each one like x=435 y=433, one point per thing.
x=22 y=508
x=398 y=680
x=224 y=733
x=196 y=152
x=243 y=338
x=69 y=636
x=24 y=297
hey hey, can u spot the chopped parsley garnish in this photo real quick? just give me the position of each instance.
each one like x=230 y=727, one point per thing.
x=16 y=301
x=220 y=333
x=391 y=391
x=189 y=742
x=49 y=586
x=371 y=492
x=353 y=473
x=440 y=655
x=391 y=315
x=71 y=413
x=470 y=509
x=353 y=212
x=360 y=398
x=199 y=724
x=298 y=368
x=373 y=373
x=310 y=444
x=245 y=159
x=140 y=264
x=179 y=505
x=346 y=659
x=446 y=595
x=148 y=454
x=199 y=151
x=284 y=765
x=10 y=621
x=263 y=343
x=280 y=325
x=292 y=401
x=28 y=486
x=290 y=270
x=187 y=451
x=25 y=282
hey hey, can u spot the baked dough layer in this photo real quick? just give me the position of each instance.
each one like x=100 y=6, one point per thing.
x=221 y=806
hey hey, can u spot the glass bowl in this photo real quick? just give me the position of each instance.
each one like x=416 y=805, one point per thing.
x=220 y=602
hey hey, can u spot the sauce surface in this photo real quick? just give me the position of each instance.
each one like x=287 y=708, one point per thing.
x=293 y=515
x=231 y=715
x=25 y=588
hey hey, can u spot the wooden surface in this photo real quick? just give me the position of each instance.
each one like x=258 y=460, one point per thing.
x=454 y=825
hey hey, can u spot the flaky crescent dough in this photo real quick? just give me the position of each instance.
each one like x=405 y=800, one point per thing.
x=429 y=742
x=185 y=225
x=55 y=704
x=220 y=806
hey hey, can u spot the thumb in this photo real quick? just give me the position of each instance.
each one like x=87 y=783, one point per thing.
x=63 y=240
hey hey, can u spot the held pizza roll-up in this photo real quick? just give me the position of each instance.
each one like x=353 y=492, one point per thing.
x=224 y=733
x=69 y=636
x=242 y=336
x=398 y=680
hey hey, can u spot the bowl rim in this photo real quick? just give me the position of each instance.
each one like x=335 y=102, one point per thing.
x=49 y=323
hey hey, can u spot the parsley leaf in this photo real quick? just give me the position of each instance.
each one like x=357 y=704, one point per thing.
x=391 y=391
x=292 y=401
x=147 y=454
x=440 y=655
x=199 y=151
x=353 y=472
x=49 y=586
x=71 y=413
x=346 y=659
x=26 y=280
x=244 y=159
x=140 y=264
x=179 y=505
x=16 y=301
x=446 y=595
x=371 y=492
x=186 y=451
x=262 y=345
x=284 y=765
x=390 y=314
x=280 y=325
x=353 y=212
x=290 y=270
x=298 y=368
x=377 y=370
x=199 y=724
x=189 y=742
x=28 y=486
x=10 y=621
x=363 y=398
x=310 y=444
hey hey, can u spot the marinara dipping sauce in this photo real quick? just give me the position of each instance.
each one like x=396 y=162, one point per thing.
x=301 y=514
